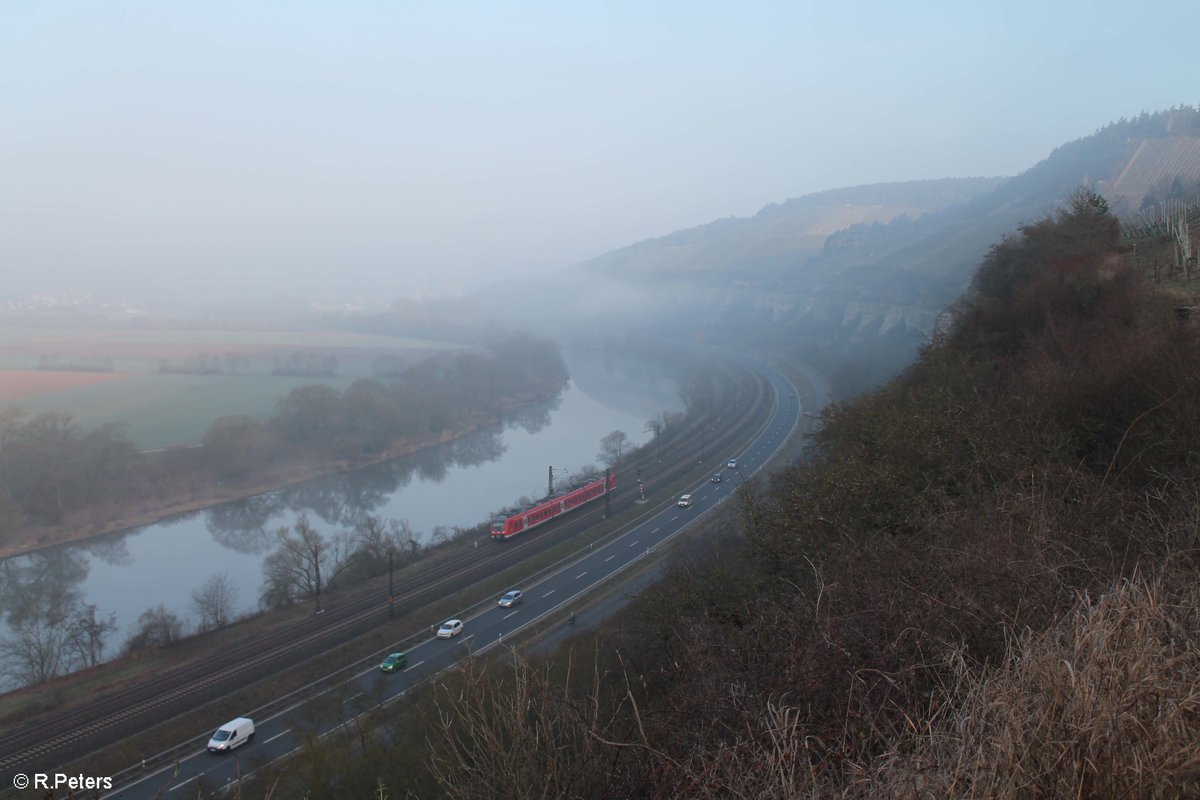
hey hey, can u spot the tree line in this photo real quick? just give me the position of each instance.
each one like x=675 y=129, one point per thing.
x=54 y=472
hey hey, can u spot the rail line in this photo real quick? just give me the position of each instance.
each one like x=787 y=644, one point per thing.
x=74 y=733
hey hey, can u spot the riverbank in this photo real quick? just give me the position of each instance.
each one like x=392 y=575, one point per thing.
x=98 y=521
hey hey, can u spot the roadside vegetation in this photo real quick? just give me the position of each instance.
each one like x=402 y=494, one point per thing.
x=979 y=582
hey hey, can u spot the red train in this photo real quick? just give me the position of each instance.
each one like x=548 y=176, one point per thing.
x=510 y=524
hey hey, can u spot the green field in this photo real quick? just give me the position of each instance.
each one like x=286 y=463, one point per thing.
x=163 y=409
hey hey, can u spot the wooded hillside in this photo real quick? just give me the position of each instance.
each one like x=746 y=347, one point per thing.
x=979 y=583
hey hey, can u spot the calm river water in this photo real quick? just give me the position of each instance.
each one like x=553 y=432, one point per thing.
x=455 y=485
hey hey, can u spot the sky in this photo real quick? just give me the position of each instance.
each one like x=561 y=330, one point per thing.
x=190 y=154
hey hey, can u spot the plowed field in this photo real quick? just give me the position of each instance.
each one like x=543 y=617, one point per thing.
x=15 y=384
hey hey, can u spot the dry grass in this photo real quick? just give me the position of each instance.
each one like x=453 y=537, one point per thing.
x=1104 y=705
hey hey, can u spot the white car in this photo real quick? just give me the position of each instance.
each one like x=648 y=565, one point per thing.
x=731 y=463
x=232 y=734
x=684 y=501
x=451 y=627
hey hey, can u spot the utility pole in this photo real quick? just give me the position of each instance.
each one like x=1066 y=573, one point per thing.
x=391 y=585
x=607 y=493
x=550 y=482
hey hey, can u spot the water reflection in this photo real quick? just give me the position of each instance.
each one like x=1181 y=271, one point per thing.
x=45 y=616
x=62 y=601
x=344 y=500
x=112 y=551
x=45 y=580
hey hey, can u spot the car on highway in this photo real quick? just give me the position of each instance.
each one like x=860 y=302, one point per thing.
x=451 y=627
x=511 y=598
x=684 y=501
x=716 y=478
x=394 y=662
x=731 y=463
x=234 y=733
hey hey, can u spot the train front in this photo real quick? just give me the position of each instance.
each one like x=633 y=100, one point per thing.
x=499 y=527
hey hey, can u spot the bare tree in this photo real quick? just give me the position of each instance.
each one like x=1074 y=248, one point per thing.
x=87 y=635
x=157 y=627
x=444 y=533
x=213 y=602
x=587 y=473
x=374 y=544
x=373 y=539
x=662 y=427
x=11 y=515
x=36 y=648
x=612 y=448
x=302 y=564
x=655 y=427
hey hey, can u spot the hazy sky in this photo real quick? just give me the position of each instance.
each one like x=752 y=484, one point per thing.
x=366 y=150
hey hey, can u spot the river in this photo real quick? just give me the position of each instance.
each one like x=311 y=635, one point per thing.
x=456 y=485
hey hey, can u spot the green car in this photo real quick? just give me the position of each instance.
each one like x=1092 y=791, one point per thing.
x=394 y=662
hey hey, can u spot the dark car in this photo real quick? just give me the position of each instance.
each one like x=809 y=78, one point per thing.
x=394 y=662
x=715 y=478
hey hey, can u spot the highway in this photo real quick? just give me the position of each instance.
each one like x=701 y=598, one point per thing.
x=201 y=772
x=129 y=709
x=552 y=594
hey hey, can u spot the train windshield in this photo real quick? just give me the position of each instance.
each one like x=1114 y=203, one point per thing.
x=498 y=524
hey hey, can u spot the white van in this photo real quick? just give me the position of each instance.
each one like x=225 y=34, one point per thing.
x=231 y=734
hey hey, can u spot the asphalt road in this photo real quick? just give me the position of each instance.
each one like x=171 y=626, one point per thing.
x=276 y=737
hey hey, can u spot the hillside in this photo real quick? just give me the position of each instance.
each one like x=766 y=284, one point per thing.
x=859 y=274
x=978 y=583
x=780 y=235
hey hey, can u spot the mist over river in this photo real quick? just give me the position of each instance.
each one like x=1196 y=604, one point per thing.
x=451 y=486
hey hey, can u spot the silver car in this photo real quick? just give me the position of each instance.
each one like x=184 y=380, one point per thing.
x=451 y=627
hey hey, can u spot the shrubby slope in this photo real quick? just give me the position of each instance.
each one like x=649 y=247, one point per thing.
x=980 y=583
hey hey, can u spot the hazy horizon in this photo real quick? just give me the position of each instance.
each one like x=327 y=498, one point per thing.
x=276 y=154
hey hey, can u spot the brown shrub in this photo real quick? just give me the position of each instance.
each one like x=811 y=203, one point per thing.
x=1105 y=704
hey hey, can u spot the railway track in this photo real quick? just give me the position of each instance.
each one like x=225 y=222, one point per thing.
x=109 y=718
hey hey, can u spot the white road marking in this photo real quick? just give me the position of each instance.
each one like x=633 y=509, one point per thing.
x=633 y=544
x=580 y=575
x=276 y=736
x=547 y=594
x=414 y=666
x=610 y=558
x=509 y=614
